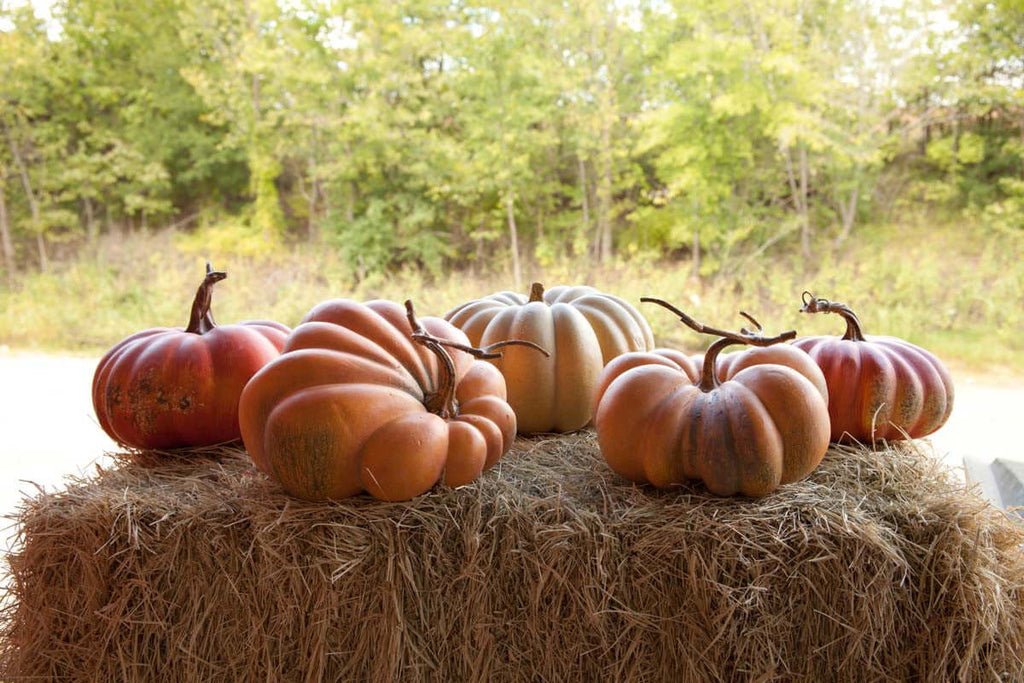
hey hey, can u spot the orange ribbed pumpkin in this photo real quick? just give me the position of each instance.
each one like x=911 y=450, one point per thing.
x=367 y=397
x=878 y=387
x=581 y=327
x=765 y=425
x=177 y=387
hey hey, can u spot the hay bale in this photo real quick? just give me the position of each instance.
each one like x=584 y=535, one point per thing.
x=548 y=568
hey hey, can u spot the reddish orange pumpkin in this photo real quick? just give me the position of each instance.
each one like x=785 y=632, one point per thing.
x=367 y=397
x=878 y=387
x=766 y=425
x=171 y=387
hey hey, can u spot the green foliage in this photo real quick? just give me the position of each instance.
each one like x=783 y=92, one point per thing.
x=900 y=278
x=436 y=135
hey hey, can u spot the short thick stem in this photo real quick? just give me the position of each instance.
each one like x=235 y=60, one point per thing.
x=708 y=376
x=537 y=292
x=201 y=319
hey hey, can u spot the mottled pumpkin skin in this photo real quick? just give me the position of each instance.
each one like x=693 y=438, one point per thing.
x=166 y=388
x=727 y=364
x=765 y=425
x=581 y=328
x=881 y=387
x=344 y=408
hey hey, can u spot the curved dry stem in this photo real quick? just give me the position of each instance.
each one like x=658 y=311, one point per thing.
x=709 y=378
x=201 y=319
x=443 y=402
x=813 y=304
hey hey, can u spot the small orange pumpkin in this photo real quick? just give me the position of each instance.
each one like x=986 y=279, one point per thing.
x=368 y=397
x=582 y=328
x=174 y=387
x=765 y=425
x=878 y=387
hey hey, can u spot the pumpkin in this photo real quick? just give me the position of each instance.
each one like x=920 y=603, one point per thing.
x=726 y=366
x=367 y=397
x=582 y=328
x=166 y=388
x=763 y=426
x=879 y=387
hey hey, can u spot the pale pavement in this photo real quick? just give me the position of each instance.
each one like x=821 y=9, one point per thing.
x=49 y=428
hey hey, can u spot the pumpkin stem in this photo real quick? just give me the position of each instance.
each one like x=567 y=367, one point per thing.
x=201 y=319
x=708 y=377
x=442 y=402
x=814 y=304
x=537 y=292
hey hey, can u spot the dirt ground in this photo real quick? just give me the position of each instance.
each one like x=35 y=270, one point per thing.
x=49 y=428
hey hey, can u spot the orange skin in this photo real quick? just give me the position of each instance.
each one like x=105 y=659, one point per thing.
x=760 y=421
x=879 y=387
x=168 y=388
x=582 y=328
x=354 y=404
x=727 y=365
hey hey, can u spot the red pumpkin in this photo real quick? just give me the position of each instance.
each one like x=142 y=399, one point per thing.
x=367 y=397
x=878 y=387
x=172 y=387
x=765 y=425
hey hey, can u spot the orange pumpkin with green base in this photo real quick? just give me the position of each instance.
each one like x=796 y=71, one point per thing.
x=366 y=397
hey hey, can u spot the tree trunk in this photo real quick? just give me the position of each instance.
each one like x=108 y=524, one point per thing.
x=805 y=227
x=612 y=65
x=5 y=232
x=350 y=204
x=847 y=213
x=696 y=253
x=253 y=18
x=44 y=262
x=311 y=223
x=603 y=241
x=517 y=275
x=799 y=195
x=90 y=221
x=584 y=192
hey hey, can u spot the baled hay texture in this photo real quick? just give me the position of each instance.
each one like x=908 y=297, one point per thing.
x=549 y=568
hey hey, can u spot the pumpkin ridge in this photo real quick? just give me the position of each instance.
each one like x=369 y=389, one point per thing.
x=425 y=368
x=575 y=378
x=610 y=337
x=927 y=377
x=652 y=451
x=766 y=442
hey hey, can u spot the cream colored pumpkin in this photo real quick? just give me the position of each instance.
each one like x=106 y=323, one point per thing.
x=581 y=327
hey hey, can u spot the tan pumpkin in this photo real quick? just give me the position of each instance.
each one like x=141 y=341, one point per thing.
x=581 y=327
x=765 y=425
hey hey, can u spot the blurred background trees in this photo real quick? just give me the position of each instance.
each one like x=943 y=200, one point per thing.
x=485 y=135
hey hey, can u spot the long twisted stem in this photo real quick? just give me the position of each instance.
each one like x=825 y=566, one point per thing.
x=709 y=378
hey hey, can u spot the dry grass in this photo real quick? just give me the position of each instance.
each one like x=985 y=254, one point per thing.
x=549 y=568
